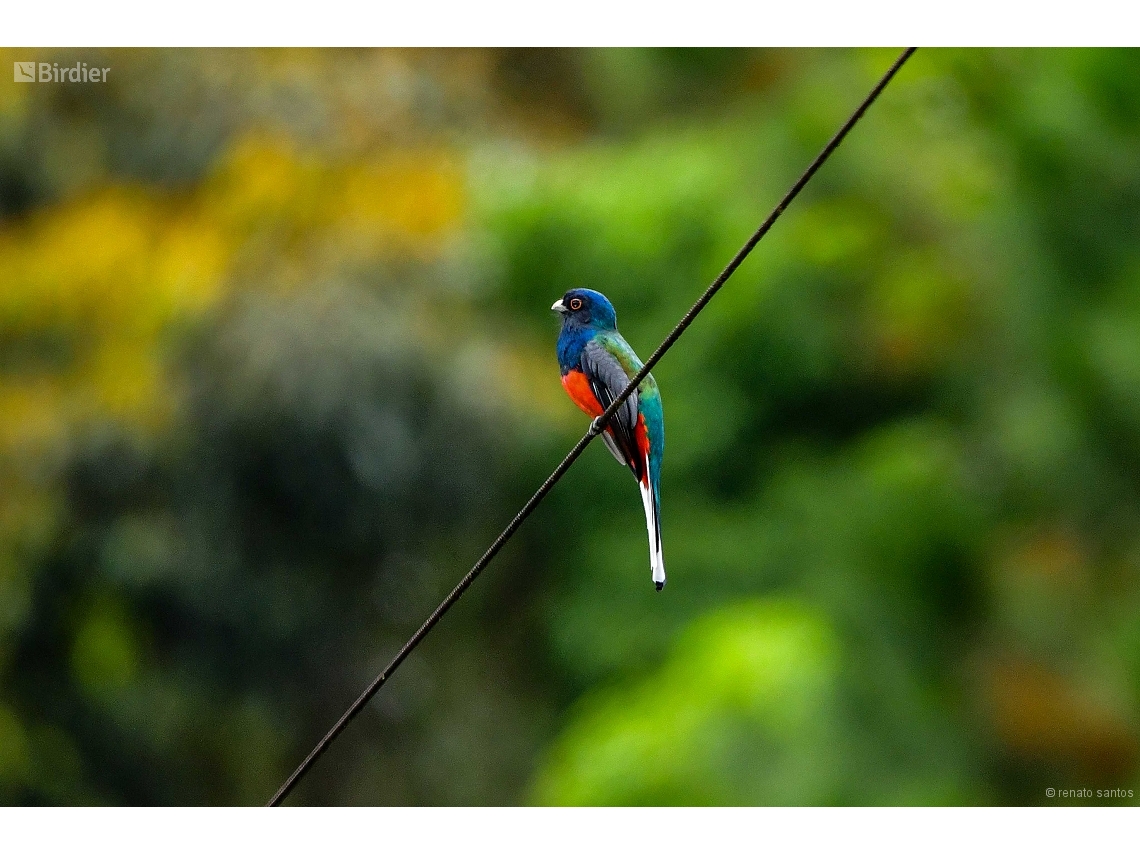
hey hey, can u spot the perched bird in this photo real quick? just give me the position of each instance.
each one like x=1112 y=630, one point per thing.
x=596 y=365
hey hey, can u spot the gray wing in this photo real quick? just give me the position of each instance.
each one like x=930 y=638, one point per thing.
x=607 y=380
x=613 y=447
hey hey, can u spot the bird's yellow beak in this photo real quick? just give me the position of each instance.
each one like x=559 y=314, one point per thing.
x=558 y=307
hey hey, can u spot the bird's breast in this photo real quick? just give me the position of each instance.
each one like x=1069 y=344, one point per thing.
x=578 y=388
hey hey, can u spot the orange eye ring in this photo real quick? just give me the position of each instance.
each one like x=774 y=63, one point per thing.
x=575 y=304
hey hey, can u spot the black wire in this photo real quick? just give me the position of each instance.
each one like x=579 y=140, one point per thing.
x=595 y=428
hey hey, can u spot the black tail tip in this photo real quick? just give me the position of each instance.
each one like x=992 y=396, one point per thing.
x=659 y=585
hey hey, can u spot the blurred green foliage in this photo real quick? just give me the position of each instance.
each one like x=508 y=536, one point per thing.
x=275 y=365
x=737 y=715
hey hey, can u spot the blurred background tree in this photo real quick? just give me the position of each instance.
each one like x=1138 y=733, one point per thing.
x=275 y=365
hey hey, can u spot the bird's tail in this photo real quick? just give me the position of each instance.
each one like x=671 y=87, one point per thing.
x=653 y=524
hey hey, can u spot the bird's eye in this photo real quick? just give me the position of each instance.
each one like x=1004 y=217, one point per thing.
x=575 y=304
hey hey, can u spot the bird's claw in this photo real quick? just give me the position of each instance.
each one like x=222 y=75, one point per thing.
x=596 y=426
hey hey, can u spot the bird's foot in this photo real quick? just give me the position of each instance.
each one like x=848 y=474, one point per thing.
x=659 y=585
x=596 y=426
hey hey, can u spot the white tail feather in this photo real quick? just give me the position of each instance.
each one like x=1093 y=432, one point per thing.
x=656 y=562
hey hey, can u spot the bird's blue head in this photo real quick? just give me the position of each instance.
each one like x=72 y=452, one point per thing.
x=585 y=308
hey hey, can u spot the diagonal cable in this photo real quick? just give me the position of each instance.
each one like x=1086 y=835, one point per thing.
x=596 y=428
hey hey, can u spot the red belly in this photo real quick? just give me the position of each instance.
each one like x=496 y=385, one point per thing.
x=578 y=388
